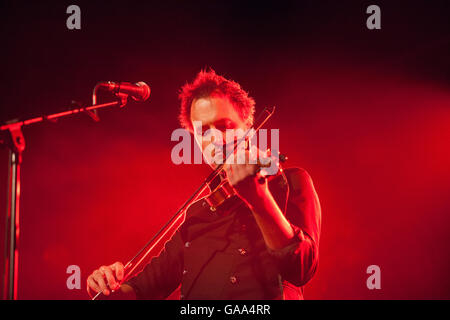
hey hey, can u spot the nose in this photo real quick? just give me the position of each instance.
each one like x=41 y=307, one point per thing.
x=214 y=136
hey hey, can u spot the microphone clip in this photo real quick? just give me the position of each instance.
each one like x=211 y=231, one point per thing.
x=123 y=98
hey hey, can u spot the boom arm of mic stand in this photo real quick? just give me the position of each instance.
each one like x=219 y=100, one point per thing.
x=15 y=141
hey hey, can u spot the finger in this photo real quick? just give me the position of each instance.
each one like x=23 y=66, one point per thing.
x=112 y=283
x=253 y=162
x=118 y=268
x=227 y=169
x=99 y=277
x=225 y=166
x=251 y=169
x=237 y=173
x=236 y=170
x=240 y=156
x=247 y=157
x=265 y=158
x=92 y=284
x=253 y=156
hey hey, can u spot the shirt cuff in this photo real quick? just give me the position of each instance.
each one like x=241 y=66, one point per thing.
x=291 y=247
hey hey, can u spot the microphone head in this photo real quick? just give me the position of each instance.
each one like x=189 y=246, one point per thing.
x=144 y=93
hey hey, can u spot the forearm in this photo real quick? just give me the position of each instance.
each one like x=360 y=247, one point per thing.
x=275 y=228
x=292 y=237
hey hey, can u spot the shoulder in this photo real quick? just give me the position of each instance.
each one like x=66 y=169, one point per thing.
x=298 y=179
x=296 y=172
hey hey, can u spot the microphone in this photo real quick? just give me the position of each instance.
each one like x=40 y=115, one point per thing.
x=139 y=91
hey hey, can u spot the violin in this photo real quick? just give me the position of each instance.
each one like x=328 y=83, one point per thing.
x=218 y=196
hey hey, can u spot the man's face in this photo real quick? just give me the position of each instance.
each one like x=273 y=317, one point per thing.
x=214 y=112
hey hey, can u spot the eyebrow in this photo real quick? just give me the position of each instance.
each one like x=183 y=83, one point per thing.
x=220 y=122
x=224 y=121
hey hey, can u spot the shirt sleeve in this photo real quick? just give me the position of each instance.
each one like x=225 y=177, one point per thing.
x=298 y=261
x=163 y=274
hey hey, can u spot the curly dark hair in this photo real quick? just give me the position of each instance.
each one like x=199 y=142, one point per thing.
x=208 y=83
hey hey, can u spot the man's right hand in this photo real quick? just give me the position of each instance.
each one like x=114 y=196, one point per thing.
x=105 y=279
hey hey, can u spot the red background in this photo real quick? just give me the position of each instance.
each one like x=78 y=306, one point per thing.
x=367 y=113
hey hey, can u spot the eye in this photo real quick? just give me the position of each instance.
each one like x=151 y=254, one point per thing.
x=225 y=124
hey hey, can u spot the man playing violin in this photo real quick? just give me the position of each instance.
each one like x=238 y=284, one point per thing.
x=261 y=243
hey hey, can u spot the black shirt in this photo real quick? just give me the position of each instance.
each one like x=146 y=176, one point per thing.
x=222 y=255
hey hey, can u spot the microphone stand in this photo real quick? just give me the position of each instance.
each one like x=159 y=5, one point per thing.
x=13 y=139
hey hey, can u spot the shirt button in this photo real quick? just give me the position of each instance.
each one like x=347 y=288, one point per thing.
x=187 y=244
x=184 y=272
x=242 y=251
x=233 y=279
x=181 y=296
